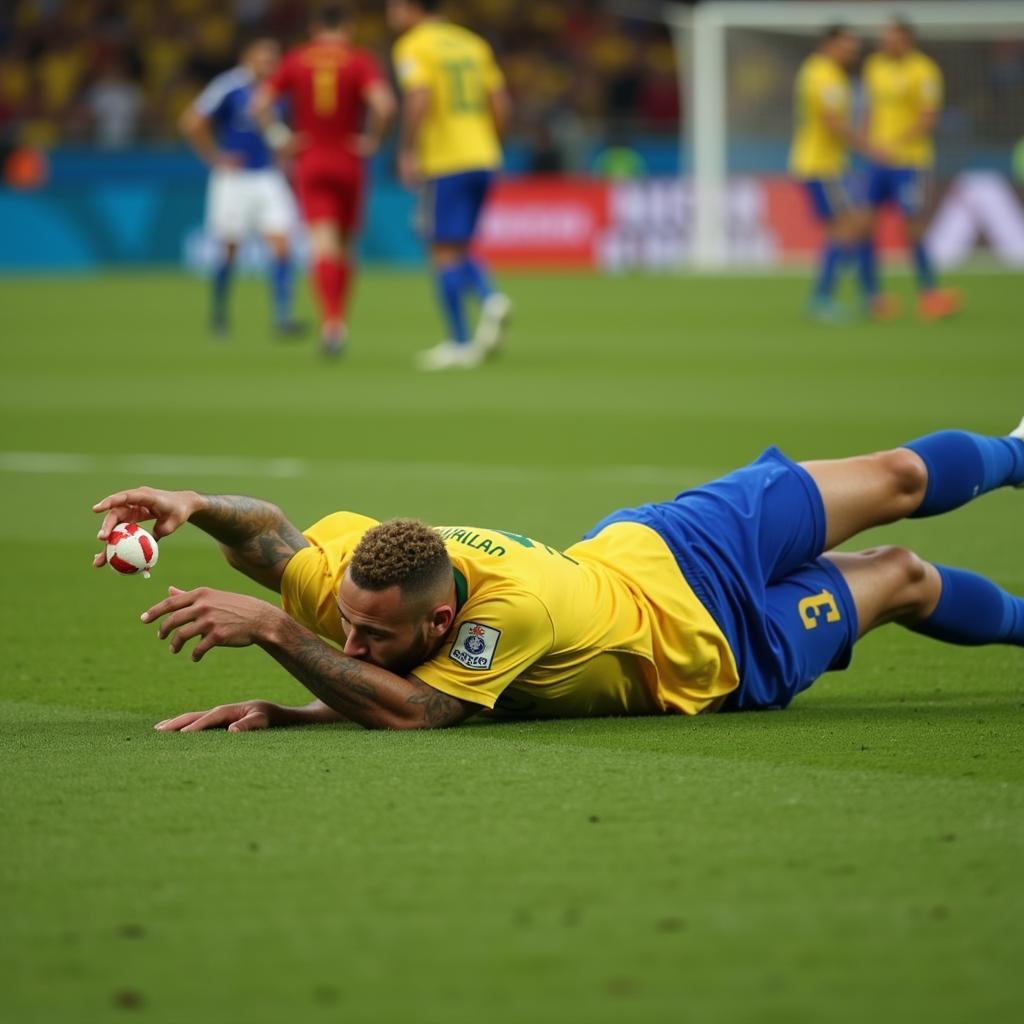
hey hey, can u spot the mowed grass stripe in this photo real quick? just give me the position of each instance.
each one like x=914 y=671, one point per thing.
x=70 y=463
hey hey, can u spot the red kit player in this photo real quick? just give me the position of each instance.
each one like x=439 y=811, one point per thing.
x=341 y=106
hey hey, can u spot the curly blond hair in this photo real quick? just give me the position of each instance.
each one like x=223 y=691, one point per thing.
x=401 y=552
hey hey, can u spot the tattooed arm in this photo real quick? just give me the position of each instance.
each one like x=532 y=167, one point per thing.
x=363 y=693
x=352 y=689
x=254 y=535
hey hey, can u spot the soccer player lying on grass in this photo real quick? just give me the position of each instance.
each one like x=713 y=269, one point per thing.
x=729 y=597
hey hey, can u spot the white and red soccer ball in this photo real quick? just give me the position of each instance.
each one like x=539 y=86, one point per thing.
x=131 y=549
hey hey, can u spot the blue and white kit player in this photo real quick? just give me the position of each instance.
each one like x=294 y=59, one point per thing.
x=247 y=193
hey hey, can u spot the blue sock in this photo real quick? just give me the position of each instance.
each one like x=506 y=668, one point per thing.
x=476 y=278
x=449 y=289
x=972 y=611
x=962 y=466
x=281 y=289
x=867 y=269
x=831 y=260
x=923 y=268
x=221 y=285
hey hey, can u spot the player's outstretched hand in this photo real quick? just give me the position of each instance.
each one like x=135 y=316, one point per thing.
x=243 y=717
x=218 y=618
x=170 y=509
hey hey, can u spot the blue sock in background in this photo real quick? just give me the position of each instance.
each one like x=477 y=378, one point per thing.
x=449 y=290
x=476 y=278
x=221 y=286
x=831 y=259
x=281 y=289
x=923 y=268
x=867 y=269
x=972 y=611
x=962 y=466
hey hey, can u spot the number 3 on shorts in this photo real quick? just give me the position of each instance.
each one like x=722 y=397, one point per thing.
x=811 y=609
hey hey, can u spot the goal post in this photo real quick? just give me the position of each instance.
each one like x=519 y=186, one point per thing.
x=701 y=35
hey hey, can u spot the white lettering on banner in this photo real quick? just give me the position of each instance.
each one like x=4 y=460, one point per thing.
x=979 y=205
x=652 y=225
x=537 y=224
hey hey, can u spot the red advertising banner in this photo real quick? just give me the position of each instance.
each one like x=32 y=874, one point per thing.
x=545 y=222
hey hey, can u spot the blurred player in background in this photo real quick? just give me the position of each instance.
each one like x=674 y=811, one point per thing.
x=247 y=192
x=455 y=109
x=341 y=107
x=824 y=134
x=903 y=88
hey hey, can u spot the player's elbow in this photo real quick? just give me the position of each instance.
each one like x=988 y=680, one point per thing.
x=386 y=720
x=266 y=575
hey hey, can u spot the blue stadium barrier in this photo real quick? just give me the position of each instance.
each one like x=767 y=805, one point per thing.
x=145 y=206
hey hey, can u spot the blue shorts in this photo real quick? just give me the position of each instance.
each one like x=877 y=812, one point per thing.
x=450 y=206
x=749 y=545
x=907 y=187
x=829 y=197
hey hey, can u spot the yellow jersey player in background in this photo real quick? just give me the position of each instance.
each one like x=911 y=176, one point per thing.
x=454 y=111
x=903 y=90
x=730 y=596
x=819 y=158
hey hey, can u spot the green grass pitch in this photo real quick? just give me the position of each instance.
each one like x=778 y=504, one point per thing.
x=858 y=856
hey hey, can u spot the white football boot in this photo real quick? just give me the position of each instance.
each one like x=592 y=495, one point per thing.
x=450 y=356
x=494 y=314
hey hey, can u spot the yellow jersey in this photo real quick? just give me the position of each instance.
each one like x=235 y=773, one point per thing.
x=899 y=92
x=609 y=626
x=459 y=71
x=822 y=88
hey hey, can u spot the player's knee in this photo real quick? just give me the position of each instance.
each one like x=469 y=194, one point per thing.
x=906 y=568
x=907 y=477
x=325 y=240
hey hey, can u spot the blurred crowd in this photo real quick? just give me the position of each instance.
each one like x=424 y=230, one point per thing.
x=115 y=73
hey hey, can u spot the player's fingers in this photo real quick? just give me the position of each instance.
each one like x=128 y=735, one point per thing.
x=176 y=619
x=110 y=520
x=253 y=720
x=183 y=635
x=123 y=514
x=179 y=599
x=208 y=641
x=166 y=525
x=135 y=496
x=174 y=724
x=109 y=502
x=99 y=560
x=213 y=719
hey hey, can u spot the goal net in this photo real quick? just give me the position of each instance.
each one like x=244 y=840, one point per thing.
x=738 y=61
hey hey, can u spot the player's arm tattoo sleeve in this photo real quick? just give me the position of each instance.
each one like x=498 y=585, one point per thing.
x=255 y=536
x=363 y=693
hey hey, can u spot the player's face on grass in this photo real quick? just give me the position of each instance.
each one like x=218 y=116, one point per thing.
x=261 y=58
x=387 y=629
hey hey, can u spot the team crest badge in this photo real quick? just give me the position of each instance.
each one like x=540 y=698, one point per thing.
x=474 y=646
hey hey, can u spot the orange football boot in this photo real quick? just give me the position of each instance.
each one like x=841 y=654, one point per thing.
x=939 y=303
